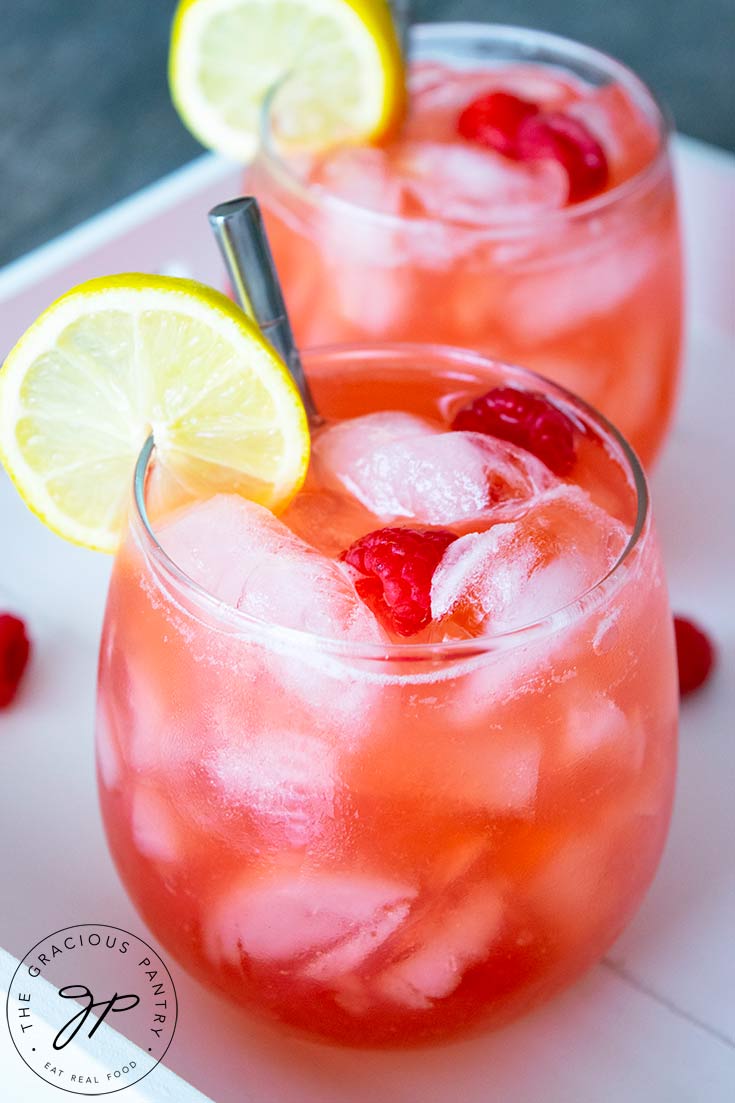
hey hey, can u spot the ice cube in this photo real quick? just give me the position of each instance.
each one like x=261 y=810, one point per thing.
x=519 y=572
x=158 y=729
x=551 y=89
x=446 y=945
x=109 y=760
x=155 y=832
x=498 y=681
x=458 y=860
x=569 y=891
x=401 y=467
x=243 y=555
x=436 y=101
x=328 y=692
x=286 y=779
x=568 y=284
x=336 y=966
x=373 y=297
x=477 y=768
x=500 y=775
x=471 y=184
x=366 y=257
x=294 y=912
x=346 y=444
x=426 y=74
x=361 y=176
x=598 y=728
x=211 y=541
x=597 y=750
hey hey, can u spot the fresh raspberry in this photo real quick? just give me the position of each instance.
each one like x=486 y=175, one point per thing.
x=518 y=128
x=15 y=649
x=494 y=120
x=524 y=418
x=556 y=135
x=695 y=655
x=398 y=565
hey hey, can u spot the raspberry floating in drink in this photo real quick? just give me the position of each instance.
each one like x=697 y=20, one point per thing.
x=519 y=129
x=528 y=419
x=396 y=567
x=495 y=120
x=567 y=140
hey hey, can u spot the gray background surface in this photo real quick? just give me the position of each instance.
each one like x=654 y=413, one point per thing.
x=85 y=117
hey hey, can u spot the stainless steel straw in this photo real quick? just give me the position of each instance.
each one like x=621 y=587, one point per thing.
x=402 y=18
x=240 y=233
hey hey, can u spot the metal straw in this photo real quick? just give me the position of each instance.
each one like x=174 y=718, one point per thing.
x=240 y=233
x=402 y=18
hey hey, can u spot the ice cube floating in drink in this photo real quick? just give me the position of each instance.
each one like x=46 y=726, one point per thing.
x=375 y=838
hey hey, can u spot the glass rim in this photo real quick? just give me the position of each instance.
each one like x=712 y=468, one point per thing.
x=457 y=649
x=521 y=223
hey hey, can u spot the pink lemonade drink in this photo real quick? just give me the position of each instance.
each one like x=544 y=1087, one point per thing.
x=526 y=209
x=398 y=764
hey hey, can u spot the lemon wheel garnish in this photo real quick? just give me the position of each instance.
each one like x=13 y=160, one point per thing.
x=344 y=54
x=120 y=357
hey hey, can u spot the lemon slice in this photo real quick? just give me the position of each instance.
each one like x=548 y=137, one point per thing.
x=226 y=55
x=123 y=356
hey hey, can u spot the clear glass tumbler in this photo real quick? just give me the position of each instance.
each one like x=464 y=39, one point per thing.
x=588 y=294
x=388 y=845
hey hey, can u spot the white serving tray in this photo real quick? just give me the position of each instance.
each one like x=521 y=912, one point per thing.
x=655 y=1022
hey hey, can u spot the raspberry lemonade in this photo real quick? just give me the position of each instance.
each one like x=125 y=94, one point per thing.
x=526 y=208
x=396 y=764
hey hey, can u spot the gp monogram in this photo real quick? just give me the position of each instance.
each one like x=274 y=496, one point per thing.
x=75 y=984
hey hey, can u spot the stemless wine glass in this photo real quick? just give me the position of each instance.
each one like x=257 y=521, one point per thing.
x=390 y=844
x=588 y=294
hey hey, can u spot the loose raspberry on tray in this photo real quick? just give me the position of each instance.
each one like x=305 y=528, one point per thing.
x=15 y=649
x=695 y=655
x=397 y=565
x=524 y=418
